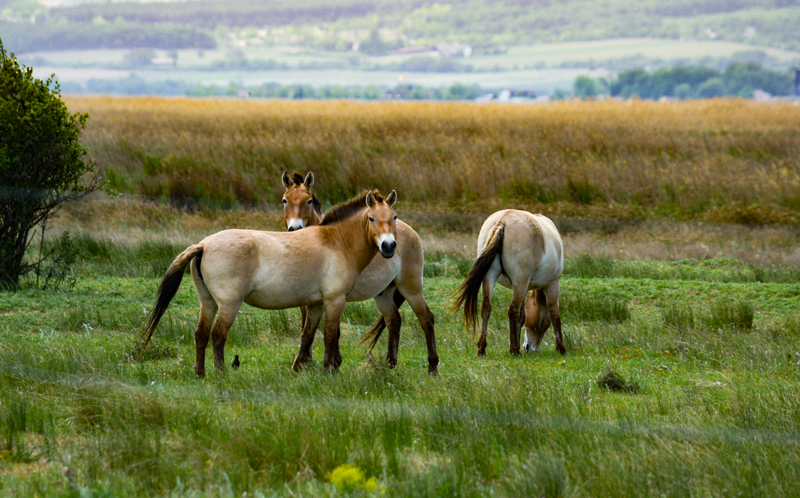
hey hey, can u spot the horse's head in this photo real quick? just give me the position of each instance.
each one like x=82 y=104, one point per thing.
x=383 y=222
x=300 y=208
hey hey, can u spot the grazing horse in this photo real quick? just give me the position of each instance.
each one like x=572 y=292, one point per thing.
x=522 y=251
x=389 y=282
x=316 y=267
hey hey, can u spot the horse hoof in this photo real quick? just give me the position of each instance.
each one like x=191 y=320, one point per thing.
x=433 y=372
x=297 y=366
x=561 y=349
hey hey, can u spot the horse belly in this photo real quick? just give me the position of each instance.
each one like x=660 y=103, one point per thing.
x=280 y=290
x=375 y=278
x=281 y=298
x=549 y=267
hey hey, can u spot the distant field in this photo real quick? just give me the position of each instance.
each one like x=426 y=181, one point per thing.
x=718 y=161
x=543 y=81
x=517 y=64
x=551 y=54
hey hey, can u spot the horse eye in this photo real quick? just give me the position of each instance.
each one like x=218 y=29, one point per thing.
x=309 y=202
x=285 y=201
x=395 y=218
x=371 y=219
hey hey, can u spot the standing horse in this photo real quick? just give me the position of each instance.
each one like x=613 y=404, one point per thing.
x=389 y=282
x=316 y=267
x=522 y=251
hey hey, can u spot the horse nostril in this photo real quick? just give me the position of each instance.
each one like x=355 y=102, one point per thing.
x=291 y=229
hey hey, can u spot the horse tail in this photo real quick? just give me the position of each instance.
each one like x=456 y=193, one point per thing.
x=467 y=292
x=168 y=288
x=375 y=334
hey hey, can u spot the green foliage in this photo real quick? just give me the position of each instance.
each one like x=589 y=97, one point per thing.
x=41 y=161
x=86 y=36
x=585 y=87
x=739 y=79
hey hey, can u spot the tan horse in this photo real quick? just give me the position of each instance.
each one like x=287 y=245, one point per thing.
x=521 y=251
x=389 y=282
x=317 y=267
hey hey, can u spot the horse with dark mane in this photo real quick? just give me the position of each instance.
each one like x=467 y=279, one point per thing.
x=316 y=267
x=390 y=282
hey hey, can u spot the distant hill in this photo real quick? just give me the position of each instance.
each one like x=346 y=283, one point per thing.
x=504 y=22
x=341 y=25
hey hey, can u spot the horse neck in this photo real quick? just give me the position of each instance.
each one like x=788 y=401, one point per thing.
x=354 y=238
x=315 y=218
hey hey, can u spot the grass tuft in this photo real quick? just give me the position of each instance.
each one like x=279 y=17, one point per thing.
x=581 y=307
x=734 y=314
x=612 y=381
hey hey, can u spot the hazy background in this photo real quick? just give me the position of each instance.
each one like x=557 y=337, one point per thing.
x=373 y=49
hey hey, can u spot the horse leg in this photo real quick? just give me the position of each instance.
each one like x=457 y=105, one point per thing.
x=487 y=289
x=208 y=308
x=219 y=334
x=385 y=303
x=313 y=316
x=333 y=314
x=425 y=317
x=551 y=295
x=303 y=316
x=516 y=317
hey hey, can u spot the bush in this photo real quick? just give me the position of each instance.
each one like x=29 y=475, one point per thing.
x=41 y=161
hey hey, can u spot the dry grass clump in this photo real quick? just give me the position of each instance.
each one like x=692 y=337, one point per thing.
x=720 y=160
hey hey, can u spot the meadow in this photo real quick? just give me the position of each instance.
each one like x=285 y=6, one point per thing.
x=682 y=376
x=716 y=161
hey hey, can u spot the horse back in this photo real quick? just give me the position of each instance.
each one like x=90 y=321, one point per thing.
x=532 y=248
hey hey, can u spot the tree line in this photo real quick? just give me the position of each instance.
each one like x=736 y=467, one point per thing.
x=739 y=79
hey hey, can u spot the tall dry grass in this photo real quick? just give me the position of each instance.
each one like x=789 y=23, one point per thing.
x=720 y=160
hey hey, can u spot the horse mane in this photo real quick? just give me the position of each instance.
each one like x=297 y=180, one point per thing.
x=350 y=208
x=298 y=180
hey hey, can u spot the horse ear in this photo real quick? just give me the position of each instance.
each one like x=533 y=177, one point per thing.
x=287 y=182
x=309 y=181
x=392 y=198
x=370 y=199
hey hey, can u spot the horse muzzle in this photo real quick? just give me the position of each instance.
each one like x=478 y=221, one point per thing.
x=295 y=224
x=387 y=246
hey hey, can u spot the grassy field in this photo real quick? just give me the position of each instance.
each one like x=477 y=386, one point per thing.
x=709 y=351
x=682 y=376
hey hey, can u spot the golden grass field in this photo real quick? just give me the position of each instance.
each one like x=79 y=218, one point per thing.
x=716 y=161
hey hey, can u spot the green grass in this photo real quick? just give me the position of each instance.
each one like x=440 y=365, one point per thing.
x=716 y=410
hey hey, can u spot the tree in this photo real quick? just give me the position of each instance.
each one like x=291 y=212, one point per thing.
x=712 y=87
x=42 y=163
x=374 y=45
x=585 y=87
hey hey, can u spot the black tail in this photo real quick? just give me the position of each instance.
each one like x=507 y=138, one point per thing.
x=168 y=288
x=375 y=334
x=468 y=291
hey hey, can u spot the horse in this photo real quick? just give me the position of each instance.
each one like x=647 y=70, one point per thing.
x=316 y=267
x=390 y=282
x=524 y=252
